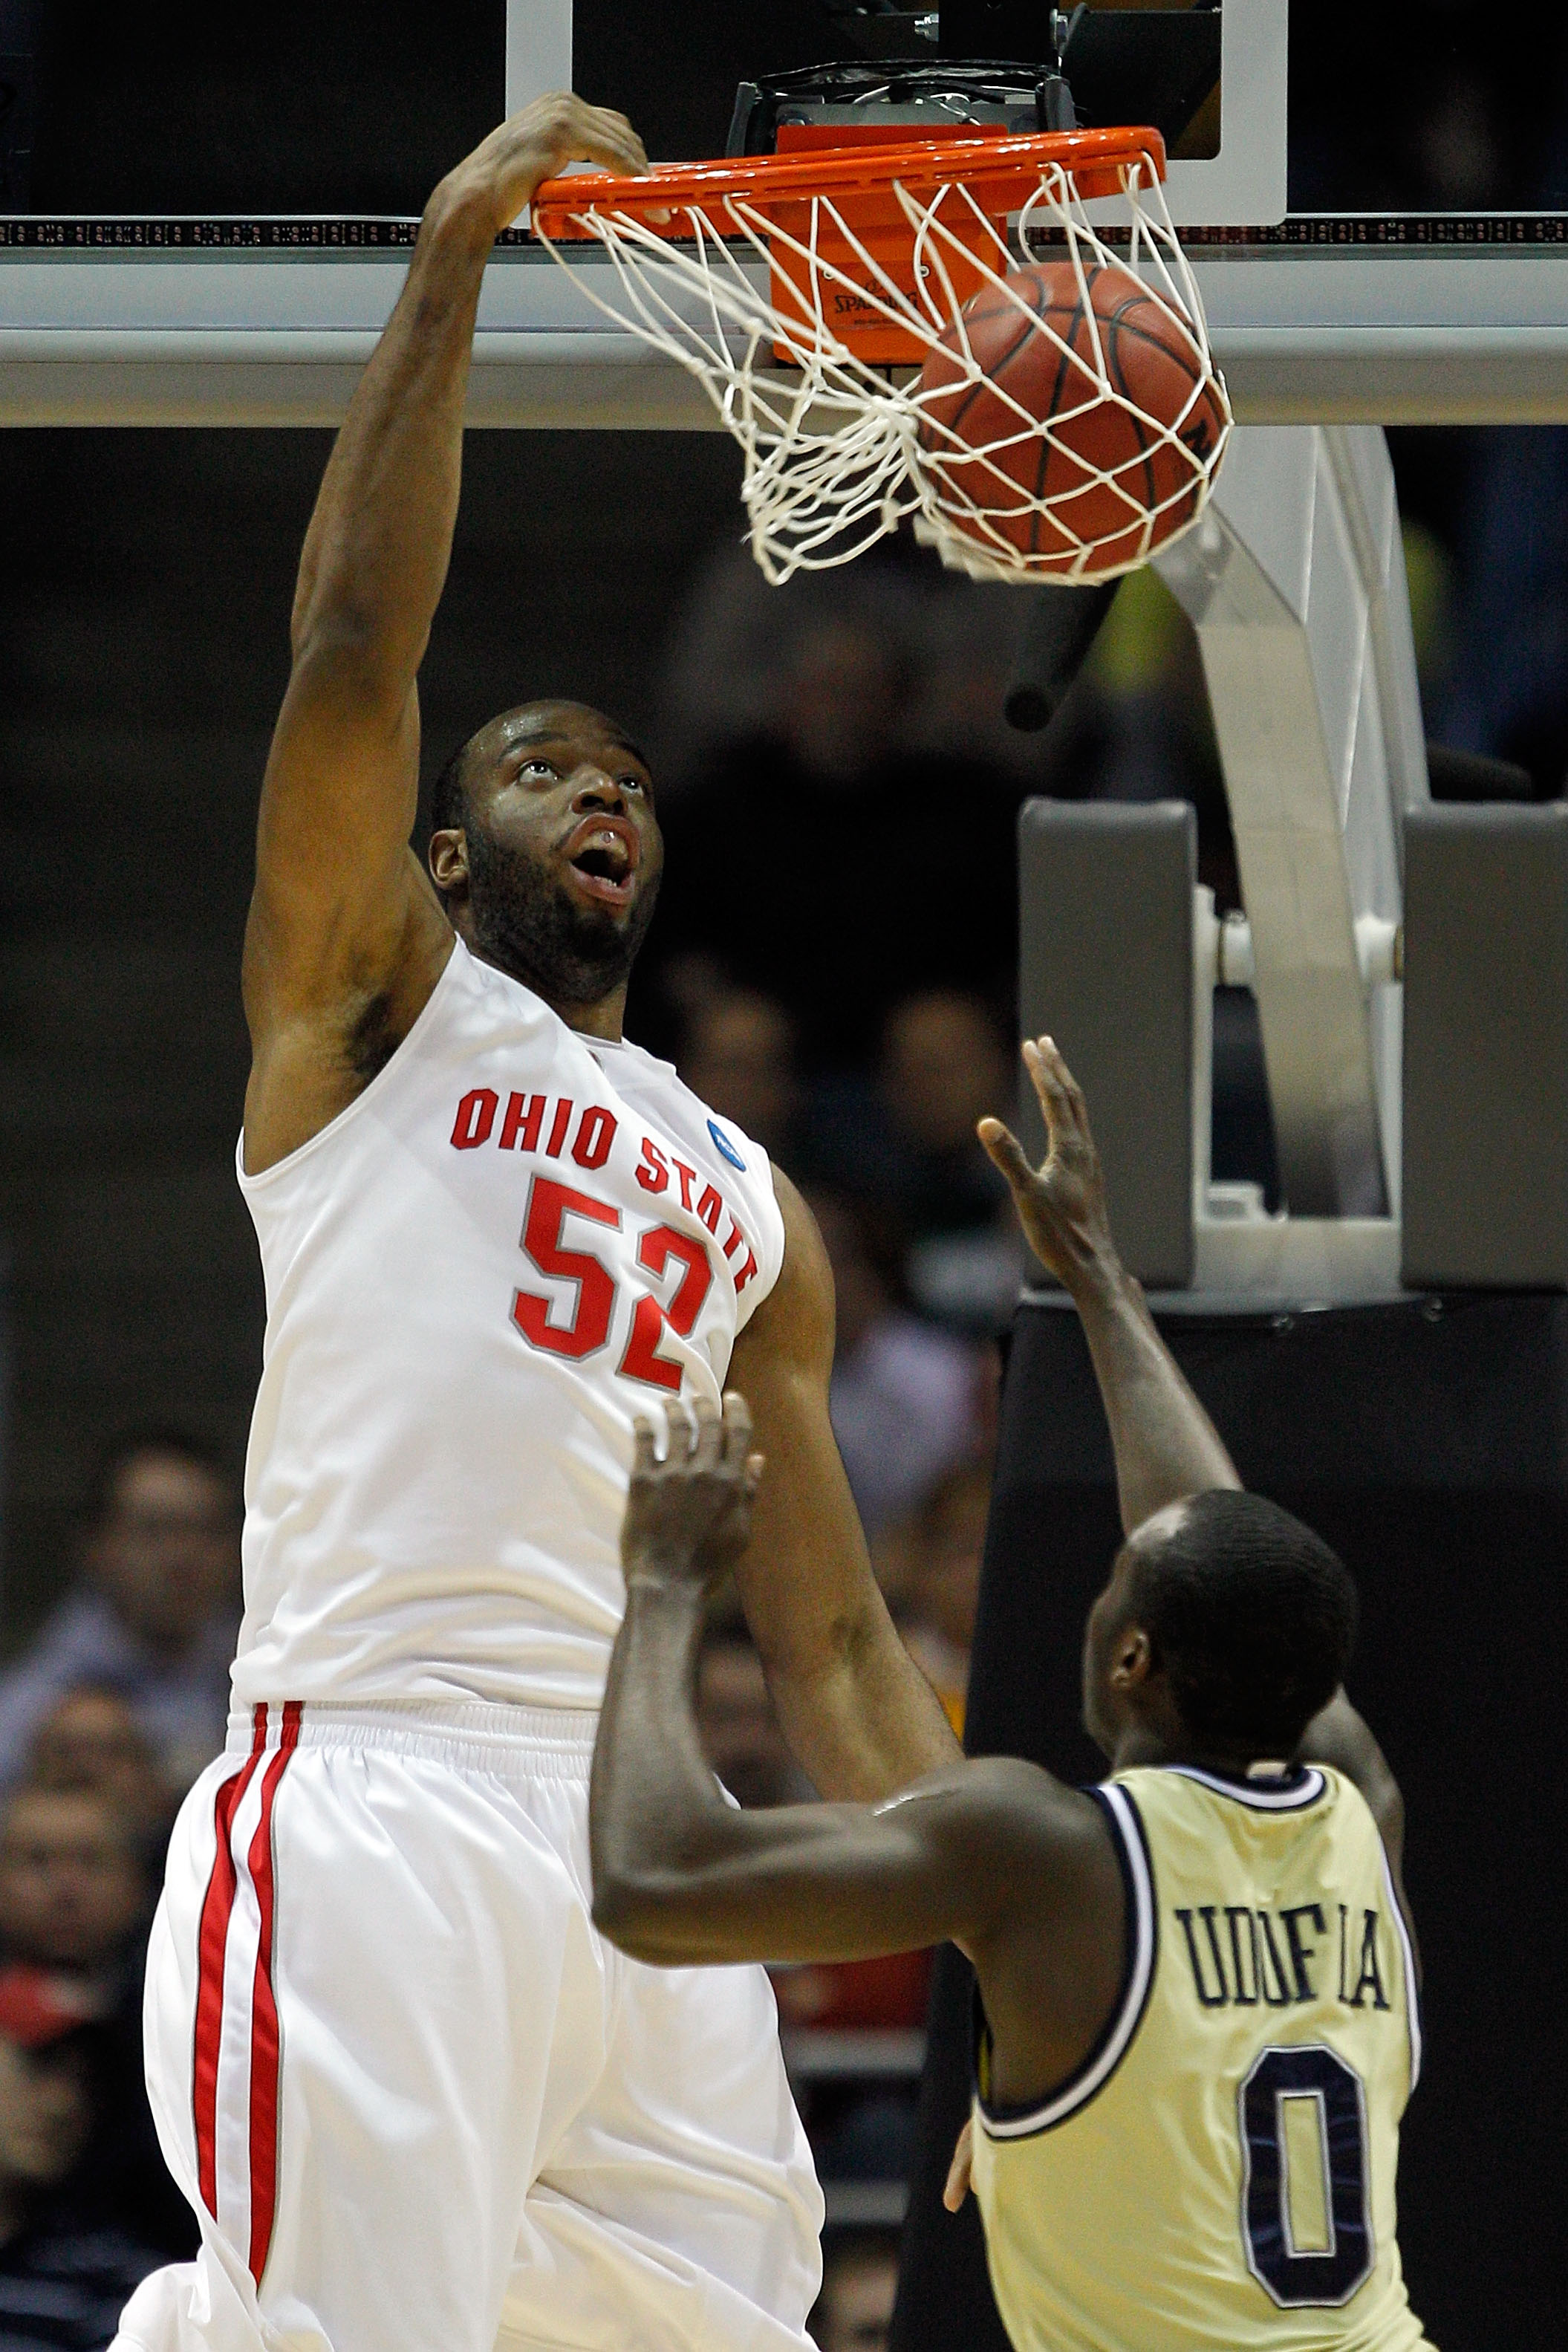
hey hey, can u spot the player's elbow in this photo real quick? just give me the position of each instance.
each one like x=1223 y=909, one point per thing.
x=638 y=1911
x=619 y=1903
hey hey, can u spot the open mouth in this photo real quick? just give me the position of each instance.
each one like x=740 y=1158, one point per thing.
x=603 y=855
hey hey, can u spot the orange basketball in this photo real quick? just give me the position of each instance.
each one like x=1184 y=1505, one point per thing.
x=1103 y=470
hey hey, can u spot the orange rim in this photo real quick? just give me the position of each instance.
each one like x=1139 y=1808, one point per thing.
x=1000 y=172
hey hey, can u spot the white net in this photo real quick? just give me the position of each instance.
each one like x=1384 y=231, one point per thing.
x=839 y=447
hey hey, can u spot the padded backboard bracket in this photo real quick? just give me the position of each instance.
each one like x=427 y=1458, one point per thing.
x=1294 y=581
x=1105 y=940
x=1486 y=1047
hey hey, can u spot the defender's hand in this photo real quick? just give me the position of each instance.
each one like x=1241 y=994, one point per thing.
x=689 y=1515
x=1061 y=1205
x=534 y=144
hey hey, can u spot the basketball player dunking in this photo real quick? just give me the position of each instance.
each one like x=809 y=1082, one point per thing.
x=1198 y=2024
x=418 y=2105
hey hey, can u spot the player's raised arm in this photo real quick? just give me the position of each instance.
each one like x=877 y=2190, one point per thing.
x=346 y=938
x=986 y=1853
x=1166 y=1445
x=1338 y=1735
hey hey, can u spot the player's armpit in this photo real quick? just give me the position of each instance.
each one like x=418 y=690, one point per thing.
x=346 y=938
x=854 y=1705
x=315 y=1047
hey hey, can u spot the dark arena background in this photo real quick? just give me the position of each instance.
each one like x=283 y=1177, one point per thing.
x=846 y=948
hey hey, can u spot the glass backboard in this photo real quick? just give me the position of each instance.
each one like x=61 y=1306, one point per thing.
x=205 y=220
x=356 y=110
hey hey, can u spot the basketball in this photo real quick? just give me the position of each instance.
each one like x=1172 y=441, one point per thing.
x=1132 y=412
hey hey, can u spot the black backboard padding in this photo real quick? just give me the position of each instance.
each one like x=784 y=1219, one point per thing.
x=1106 y=911
x=1485 y=1046
x=1428 y=1441
x=1474 y=776
x=359 y=107
x=1144 y=65
x=1061 y=628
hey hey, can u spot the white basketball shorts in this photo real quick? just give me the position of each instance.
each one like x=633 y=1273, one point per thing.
x=416 y=2102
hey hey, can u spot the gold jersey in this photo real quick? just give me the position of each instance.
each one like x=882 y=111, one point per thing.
x=1219 y=2172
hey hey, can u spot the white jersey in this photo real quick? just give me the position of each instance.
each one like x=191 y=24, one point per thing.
x=513 y=1242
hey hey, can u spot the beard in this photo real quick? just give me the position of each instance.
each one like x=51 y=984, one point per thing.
x=524 y=920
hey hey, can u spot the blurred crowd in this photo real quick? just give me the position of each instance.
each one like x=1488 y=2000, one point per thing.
x=104 y=1723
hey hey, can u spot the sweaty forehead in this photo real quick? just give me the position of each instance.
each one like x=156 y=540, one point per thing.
x=552 y=726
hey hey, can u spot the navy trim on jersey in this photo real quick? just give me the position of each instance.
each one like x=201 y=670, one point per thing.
x=1281 y=1792
x=1004 y=2123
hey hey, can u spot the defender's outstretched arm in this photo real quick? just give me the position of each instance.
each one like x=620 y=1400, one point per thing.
x=679 y=1875
x=1338 y=1735
x=346 y=937
x=1166 y=1445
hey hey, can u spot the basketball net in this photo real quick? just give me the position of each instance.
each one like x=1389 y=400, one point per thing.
x=789 y=312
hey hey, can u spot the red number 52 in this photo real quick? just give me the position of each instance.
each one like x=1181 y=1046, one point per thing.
x=587 y=1325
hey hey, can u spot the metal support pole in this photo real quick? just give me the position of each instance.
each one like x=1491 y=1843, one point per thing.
x=1295 y=582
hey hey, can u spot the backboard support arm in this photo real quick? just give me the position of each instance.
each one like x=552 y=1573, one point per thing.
x=1295 y=586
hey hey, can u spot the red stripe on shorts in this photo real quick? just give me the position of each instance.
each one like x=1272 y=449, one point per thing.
x=211 y=1942
x=265 y=2055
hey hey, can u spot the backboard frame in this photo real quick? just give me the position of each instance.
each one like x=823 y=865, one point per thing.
x=1344 y=318
x=1243 y=185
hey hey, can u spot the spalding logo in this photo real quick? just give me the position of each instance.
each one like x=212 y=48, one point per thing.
x=726 y=1146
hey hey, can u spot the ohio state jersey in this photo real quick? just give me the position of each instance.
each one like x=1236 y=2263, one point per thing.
x=515 y=1240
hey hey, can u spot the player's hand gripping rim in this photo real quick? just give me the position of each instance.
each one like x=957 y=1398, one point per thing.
x=535 y=143
x=688 y=1512
x=1062 y=1203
